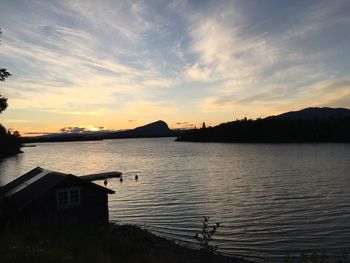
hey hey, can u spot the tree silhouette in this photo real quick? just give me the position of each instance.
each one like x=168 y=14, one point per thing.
x=10 y=143
x=3 y=103
x=274 y=130
x=3 y=75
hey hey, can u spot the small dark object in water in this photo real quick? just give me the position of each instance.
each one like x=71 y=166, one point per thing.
x=121 y=179
x=136 y=177
x=105 y=182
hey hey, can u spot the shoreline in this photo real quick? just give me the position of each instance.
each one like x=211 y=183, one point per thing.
x=179 y=252
x=110 y=243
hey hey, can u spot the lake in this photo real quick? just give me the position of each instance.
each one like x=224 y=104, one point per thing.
x=270 y=199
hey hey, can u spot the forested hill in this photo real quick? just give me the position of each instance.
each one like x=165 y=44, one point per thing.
x=151 y=130
x=284 y=128
x=314 y=113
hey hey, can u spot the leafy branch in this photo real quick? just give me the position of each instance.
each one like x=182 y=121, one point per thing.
x=3 y=75
x=205 y=237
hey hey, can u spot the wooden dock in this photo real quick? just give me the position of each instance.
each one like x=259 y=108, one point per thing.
x=101 y=176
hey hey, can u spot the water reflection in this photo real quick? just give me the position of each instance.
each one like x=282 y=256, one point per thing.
x=269 y=199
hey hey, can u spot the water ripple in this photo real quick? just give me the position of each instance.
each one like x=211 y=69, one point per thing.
x=270 y=200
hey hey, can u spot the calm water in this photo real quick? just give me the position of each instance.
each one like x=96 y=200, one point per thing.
x=271 y=199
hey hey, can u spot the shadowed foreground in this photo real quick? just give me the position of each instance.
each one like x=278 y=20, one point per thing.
x=88 y=244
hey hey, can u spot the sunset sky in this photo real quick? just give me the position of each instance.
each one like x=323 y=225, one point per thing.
x=122 y=64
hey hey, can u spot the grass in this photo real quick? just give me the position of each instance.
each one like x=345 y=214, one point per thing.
x=112 y=243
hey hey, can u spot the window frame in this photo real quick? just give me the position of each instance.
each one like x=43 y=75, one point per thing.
x=69 y=203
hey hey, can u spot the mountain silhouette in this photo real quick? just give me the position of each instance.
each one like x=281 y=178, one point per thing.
x=314 y=113
x=155 y=129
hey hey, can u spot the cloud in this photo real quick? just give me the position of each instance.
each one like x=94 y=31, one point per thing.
x=72 y=129
x=81 y=129
x=181 y=123
x=185 y=125
x=122 y=60
x=50 y=92
x=225 y=51
x=334 y=93
x=39 y=133
x=124 y=18
x=256 y=70
x=10 y=121
x=196 y=72
x=161 y=82
x=144 y=108
x=62 y=68
x=188 y=126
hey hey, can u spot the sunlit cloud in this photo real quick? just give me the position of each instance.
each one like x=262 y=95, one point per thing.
x=195 y=72
x=14 y=121
x=116 y=61
x=81 y=129
x=184 y=125
x=325 y=93
x=161 y=82
x=142 y=108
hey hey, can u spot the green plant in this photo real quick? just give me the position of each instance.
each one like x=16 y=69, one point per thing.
x=205 y=237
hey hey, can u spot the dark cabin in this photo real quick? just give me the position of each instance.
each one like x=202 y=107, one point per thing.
x=44 y=197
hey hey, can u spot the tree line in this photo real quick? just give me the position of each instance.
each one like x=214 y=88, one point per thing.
x=10 y=142
x=274 y=130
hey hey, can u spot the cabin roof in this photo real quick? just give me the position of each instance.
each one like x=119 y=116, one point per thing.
x=26 y=188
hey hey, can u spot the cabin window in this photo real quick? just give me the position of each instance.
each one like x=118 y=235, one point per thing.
x=62 y=198
x=74 y=196
x=68 y=197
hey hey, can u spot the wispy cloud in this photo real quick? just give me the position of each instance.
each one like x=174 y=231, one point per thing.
x=259 y=69
x=121 y=60
x=144 y=108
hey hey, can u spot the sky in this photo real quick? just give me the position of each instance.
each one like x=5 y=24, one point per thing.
x=122 y=64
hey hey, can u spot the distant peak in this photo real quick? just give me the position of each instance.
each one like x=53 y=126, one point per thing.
x=315 y=112
x=157 y=123
x=155 y=126
x=160 y=122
